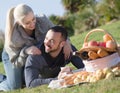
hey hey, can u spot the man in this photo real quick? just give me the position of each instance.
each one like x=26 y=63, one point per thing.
x=41 y=69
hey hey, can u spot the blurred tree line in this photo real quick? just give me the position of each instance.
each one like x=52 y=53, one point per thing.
x=82 y=15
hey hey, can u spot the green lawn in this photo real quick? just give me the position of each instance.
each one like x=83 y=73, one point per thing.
x=103 y=86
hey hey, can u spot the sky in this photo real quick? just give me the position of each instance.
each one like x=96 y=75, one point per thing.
x=47 y=7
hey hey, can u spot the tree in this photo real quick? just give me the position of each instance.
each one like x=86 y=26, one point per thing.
x=71 y=6
x=74 y=6
x=65 y=21
x=108 y=10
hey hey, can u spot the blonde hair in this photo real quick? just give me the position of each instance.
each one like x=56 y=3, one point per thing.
x=15 y=14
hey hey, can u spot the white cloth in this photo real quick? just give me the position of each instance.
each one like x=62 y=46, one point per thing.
x=101 y=63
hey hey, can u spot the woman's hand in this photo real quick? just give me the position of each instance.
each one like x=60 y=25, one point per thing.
x=33 y=50
x=67 y=50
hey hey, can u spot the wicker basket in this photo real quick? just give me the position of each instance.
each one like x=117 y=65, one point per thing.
x=100 y=63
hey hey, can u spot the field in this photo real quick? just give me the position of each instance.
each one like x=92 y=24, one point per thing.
x=102 y=86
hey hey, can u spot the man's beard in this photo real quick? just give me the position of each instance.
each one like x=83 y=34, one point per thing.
x=53 y=50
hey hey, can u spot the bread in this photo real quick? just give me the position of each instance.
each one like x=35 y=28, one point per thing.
x=76 y=78
x=84 y=76
x=96 y=48
x=92 y=55
x=69 y=80
x=94 y=52
x=102 y=53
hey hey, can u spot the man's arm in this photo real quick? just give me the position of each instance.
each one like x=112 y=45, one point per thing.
x=32 y=71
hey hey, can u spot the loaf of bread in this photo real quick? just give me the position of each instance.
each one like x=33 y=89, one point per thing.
x=102 y=53
x=94 y=52
x=92 y=55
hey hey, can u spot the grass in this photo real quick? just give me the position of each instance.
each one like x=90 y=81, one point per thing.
x=103 y=86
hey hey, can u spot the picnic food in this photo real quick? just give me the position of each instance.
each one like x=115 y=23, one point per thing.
x=84 y=76
x=111 y=44
x=92 y=43
x=85 y=45
x=102 y=44
x=92 y=55
x=106 y=37
x=102 y=53
x=93 y=49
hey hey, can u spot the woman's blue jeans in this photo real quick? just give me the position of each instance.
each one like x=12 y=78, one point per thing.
x=14 y=75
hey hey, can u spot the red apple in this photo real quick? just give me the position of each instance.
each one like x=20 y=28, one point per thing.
x=92 y=43
x=102 y=44
x=85 y=45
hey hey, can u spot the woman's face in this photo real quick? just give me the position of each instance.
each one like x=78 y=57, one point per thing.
x=29 y=22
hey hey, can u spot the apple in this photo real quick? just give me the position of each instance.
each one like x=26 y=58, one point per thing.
x=85 y=45
x=92 y=43
x=102 y=44
x=111 y=44
x=106 y=37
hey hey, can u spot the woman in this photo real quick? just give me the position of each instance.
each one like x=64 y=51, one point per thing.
x=23 y=31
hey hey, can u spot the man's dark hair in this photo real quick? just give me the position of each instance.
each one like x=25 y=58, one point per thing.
x=60 y=29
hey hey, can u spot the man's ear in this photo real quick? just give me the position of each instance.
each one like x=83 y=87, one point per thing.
x=62 y=43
